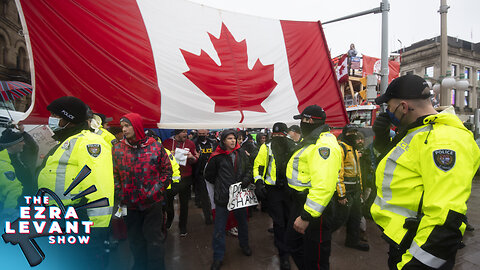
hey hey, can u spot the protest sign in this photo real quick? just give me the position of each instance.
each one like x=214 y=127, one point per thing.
x=239 y=198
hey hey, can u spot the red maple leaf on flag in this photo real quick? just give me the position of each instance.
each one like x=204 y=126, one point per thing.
x=232 y=85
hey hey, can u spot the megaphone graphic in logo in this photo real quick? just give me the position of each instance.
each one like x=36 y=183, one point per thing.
x=26 y=241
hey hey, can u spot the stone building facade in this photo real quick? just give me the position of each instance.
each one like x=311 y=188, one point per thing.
x=423 y=59
x=14 y=62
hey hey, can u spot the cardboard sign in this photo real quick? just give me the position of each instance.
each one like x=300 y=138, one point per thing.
x=239 y=198
x=43 y=137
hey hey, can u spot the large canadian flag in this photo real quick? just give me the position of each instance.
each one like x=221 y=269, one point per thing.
x=178 y=63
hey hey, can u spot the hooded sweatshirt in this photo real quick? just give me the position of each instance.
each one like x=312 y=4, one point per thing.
x=141 y=168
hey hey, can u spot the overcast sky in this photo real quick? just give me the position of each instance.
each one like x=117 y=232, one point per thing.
x=409 y=20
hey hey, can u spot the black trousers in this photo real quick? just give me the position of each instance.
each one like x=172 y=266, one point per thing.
x=278 y=208
x=312 y=249
x=183 y=190
x=147 y=235
x=202 y=194
x=349 y=214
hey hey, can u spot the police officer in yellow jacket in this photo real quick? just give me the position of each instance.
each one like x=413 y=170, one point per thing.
x=10 y=187
x=348 y=205
x=269 y=173
x=312 y=174
x=77 y=147
x=424 y=179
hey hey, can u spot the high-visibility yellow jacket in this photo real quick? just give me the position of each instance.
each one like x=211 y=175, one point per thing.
x=350 y=172
x=175 y=168
x=437 y=158
x=10 y=186
x=315 y=167
x=106 y=135
x=61 y=168
x=266 y=160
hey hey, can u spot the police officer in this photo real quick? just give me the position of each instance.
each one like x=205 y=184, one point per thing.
x=348 y=206
x=10 y=187
x=205 y=147
x=269 y=173
x=312 y=174
x=97 y=123
x=424 y=179
x=77 y=147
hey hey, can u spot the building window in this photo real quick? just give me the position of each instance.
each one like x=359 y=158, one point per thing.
x=452 y=101
x=409 y=72
x=454 y=70
x=3 y=49
x=429 y=71
x=467 y=98
x=467 y=73
x=22 y=59
x=478 y=75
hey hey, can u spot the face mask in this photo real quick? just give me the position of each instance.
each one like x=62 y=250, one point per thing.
x=307 y=128
x=54 y=124
x=202 y=138
x=395 y=121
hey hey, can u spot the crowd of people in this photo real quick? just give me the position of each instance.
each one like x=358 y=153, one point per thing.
x=414 y=185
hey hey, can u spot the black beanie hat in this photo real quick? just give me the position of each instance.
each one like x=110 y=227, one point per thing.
x=71 y=109
x=227 y=132
x=178 y=131
x=9 y=138
x=280 y=127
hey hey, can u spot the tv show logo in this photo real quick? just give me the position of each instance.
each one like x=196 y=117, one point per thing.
x=43 y=218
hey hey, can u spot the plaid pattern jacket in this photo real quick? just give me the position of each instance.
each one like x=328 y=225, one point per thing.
x=142 y=173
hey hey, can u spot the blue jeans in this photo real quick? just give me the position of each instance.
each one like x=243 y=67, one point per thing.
x=221 y=216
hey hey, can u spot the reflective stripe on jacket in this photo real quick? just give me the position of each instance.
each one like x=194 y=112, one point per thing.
x=106 y=135
x=265 y=158
x=61 y=168
x=350 y=171
x=438 y=159
x=315 y=167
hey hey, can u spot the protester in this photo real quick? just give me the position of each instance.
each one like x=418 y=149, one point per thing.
x=424 y=179
x=348 y=204
x=312 y=174
x=352 y=52
x=184 y=151
x=227 y=165
x=269 y=171
x=142 y=173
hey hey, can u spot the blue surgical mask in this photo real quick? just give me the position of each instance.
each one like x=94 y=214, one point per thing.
x=54 y=124
x=395 y=121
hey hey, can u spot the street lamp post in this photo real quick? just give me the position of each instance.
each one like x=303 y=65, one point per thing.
x=444 y=92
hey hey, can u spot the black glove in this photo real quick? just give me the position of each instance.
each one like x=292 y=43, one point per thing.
x=260 y=190
x=245 y=183
x=381 y=128
x=382 y=123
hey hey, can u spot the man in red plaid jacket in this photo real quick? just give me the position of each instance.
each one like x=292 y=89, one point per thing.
x=142 y=172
